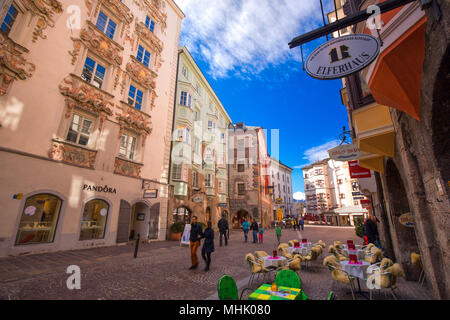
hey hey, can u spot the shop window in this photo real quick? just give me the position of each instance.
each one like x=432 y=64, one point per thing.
x=39 y=219
x=94 y=218
x=106 y=25
x=10 y=17
x=150 y=24
x=241 y=167
x=127 y=146
x=135 y=97
x=93 y=73
x=79 y=130
x=143 y=55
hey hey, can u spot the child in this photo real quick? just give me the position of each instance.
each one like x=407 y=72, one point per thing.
x=260 y=235
x=278 y=232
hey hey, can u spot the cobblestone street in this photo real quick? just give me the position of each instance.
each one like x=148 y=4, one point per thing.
x=161 y=270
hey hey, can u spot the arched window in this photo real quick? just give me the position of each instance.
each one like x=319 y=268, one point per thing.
x=182 y=214
x=39 y=219
x=93 y=221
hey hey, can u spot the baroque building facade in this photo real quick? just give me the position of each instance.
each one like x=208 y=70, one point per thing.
x=248 y=167
x=199 y=172
x=86 y=106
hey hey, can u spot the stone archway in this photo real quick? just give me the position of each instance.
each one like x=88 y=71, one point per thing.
x=238 y=217
x=406 y=240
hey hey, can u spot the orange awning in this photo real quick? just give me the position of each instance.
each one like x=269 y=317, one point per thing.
x=397 y=77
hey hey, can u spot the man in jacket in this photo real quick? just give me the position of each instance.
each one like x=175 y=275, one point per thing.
x=245 y=226
x=254 y=227
x=223 y=230
x=196 y=235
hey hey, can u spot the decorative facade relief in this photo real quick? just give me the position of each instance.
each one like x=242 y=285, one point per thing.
x=141 y=74
x=65 y=152
x=135 y=120
x=84 y=96
x=13 y=65
x=45 y=10
x=127 y=168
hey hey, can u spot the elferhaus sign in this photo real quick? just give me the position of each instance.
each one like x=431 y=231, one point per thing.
x=342 y=56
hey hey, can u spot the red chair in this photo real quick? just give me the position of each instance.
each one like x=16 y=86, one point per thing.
x=351 y=246
x=353 y=258
x=304 y=240
x=349 y=241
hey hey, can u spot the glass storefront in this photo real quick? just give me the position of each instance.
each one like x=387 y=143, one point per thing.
x=39 y=219
x=94 y=219
x=182 y=214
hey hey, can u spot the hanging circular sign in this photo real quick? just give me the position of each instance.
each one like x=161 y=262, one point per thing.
x=406 y=219
x=29 y=211
x=103 y=212
x=345 y=152
x=342 y=56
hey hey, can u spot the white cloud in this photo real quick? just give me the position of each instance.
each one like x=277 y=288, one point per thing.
x=299 y=195
x=244 y=37
x=320 y=152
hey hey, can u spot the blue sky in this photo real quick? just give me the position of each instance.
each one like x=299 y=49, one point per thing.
x=241 y=47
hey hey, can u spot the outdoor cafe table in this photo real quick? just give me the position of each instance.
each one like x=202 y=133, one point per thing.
x=300 y=250
x=265 y=292
x=270 y=261
x=357 y=270
x=358 y=252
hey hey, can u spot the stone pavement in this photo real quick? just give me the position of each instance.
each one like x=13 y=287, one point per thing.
x=161 y=270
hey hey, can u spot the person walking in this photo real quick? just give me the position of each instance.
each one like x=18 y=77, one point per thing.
x=254 y=227
x=208 y=245
x=196 y=234
x=302 y=223
x=370 y=231
x=245 y=227
x=278 y=232
x=223 y=230
x=260 y=234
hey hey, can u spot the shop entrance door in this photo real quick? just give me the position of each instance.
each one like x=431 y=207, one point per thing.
x=154 y=222
x=124 y=222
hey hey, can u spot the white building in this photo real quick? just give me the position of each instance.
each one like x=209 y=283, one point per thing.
x=331 y=194
x=281 y=181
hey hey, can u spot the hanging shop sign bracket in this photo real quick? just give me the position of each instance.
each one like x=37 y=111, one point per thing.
x=345 y=22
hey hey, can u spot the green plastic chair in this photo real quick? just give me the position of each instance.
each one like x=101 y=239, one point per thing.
x=288 y=278
x=331 y=296
x=227 y=289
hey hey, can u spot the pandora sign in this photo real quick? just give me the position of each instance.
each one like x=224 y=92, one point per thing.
x=342 y=56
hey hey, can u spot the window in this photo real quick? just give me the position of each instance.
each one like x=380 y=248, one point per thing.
x=106 y=25
x=222 y=138
x=184 y=71
x=339 y=181
x=150 y=24
x=241 y=189
x=185 y=99
x=341 y=196
x=135 y=97
x=278 y=175
x=209 y=181
x=196 y=145
x=10 y=17
x=356 y=202
x=39 y=219
x=177 y=171
x=196 y=115
x=79 y=130
x=127 y=146
x=93 y=72
x=182 y=214
x=143 y=55
x=94 y=218
x=211 y=126
x=194 y=178
x=241 y=167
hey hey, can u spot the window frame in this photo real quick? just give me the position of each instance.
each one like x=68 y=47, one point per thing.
x=94 y=71
x=151 y=25
x=134 y=99
x=12 y=21
x=129 y=146
x=107 y=24
x=145 y=50
x=79 y=132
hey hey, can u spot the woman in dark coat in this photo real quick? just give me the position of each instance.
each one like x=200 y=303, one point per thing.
x=208 y=245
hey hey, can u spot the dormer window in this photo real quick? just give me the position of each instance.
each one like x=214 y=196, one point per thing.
x=143 y=55
x=10 y=17
x=106 y=25
x=150 y=24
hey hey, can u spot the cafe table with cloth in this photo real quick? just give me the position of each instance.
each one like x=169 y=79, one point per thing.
x=265 y=292
x=278 y=261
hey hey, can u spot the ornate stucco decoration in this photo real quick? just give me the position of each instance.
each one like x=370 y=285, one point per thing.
x=13 y=65
x=155 y=9
x=45 y=10
x=84 y=96
x=120 y=11
x=141 y=74
x=99 y=43
x=135 y=120
x=127 y=168
x=66 y=152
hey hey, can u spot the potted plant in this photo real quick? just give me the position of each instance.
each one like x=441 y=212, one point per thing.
x=175 y=230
